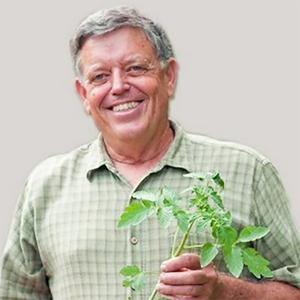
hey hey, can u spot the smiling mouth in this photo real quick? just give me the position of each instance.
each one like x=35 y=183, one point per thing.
x=125 y=106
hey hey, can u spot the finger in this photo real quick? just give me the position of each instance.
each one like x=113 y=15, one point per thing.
x=180 y=290
x=188 y=260
x=191 y=277
x=169 y=297
x=185 y=298
x=179 y=297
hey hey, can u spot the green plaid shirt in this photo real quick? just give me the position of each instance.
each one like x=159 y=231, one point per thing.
x=64 y=244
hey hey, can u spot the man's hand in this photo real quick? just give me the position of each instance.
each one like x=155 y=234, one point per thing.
x=183 y=278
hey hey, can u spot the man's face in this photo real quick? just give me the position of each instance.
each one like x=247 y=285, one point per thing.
x=123 y=86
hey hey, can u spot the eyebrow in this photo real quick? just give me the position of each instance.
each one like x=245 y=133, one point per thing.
x=137 y=57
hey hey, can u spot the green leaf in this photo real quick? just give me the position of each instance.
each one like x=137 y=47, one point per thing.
x=127 y=282
x=215 y=197
x=170 y=197
x=267 y=273
x=144 y=195
x=195 y=175
x=227 y=236
x=139 y=282
x=130 y=270
x=227 y=219
x=134 y=277
x=165 y=216
x=234 y=260
x=182 y=218
x=218 y=180
x=256 y=264
x=135 y=213
x=214 y=229
x=194 y=217
x=252 y=233
x=201 y=224
x=208 y=253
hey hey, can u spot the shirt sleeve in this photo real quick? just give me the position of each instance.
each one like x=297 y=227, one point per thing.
x=282 y=245
x=22 y=275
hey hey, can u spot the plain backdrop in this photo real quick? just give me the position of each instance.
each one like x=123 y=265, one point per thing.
x=239 y=80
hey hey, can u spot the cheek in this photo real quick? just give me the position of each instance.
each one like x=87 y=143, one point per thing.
x=147 y=85
x=95 y=96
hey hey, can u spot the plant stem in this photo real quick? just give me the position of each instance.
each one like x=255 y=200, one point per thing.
x=153 y=294
x=193 y=246
x=183 y=241
x=177 y=252
x=174 y=241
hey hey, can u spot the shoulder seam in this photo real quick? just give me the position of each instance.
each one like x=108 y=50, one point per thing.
x=205 y=140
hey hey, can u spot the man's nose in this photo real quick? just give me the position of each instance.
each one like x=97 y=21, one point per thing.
x=118 y=82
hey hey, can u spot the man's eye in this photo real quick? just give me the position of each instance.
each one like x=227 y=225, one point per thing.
x=98 y=78
x=136 y=70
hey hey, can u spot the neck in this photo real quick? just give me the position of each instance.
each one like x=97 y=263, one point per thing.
x=139 y=152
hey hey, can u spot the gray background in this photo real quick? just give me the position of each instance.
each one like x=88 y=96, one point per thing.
x=239 y=81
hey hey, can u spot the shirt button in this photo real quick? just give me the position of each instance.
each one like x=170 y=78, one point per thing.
x=133 y=240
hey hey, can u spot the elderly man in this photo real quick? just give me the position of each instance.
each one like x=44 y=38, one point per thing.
x=64 y=243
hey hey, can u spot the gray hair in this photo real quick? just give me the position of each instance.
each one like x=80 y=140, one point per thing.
x=107 y=20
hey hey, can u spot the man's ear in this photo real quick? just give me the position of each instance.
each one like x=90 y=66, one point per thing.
x=81 y=91
x=171 y=73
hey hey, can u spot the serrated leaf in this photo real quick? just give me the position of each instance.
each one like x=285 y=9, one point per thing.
x=138 y=282
x=170 y=195
x=208 y=253
x=193 y=217
x=227 y=236
x=182 y=219
x=201 y=225
x=214 y=230
x=227 y=219
x=218 y=180
x=234 y=260
x=199 y=176
x=144 y=195
x=252 y=233
x=127 y=282
x=215 y=197
x=130 y=270
x=256 y=264
x=165 y=216
x=267 y=273
x=134 y=277
x=135 y=213
x=200 y=199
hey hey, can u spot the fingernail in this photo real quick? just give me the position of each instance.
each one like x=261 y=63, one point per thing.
x=163 y=267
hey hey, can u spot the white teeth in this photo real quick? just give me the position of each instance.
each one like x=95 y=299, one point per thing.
x=125 y=106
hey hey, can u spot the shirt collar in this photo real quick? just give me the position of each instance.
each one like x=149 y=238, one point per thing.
x=97 y=156
x=177 y=156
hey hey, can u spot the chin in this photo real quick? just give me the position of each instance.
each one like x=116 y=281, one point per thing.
x=130 y=132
